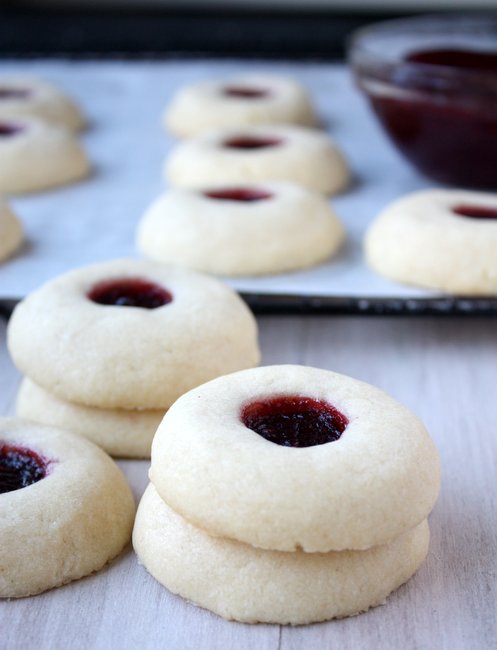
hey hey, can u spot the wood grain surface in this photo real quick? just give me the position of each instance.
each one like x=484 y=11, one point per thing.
x=446 y=371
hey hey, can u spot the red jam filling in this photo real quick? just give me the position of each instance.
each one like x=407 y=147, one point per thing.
x=251 y=142
x=475 y=211
x=19 y=467
x=242 y=194
x=245 y=92
x=294 y=421
x=446 y=125
x=6 y=130
x=14 y=93
x=130 y=292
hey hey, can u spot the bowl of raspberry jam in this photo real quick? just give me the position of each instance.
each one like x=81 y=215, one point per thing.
x=432 y=82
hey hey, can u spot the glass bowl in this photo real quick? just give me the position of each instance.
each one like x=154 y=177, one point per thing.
x=432 y=82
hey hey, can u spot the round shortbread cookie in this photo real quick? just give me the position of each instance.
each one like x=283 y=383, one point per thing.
x=378 y=479
x=439 y=239
x=122 y=356
x=35 y=155
x=23 y=96
x=240 y=582
x=65 y=508
x=123 y=433
x=233 y=230
x=259 y=154
x=245 y=100
x=11 y=233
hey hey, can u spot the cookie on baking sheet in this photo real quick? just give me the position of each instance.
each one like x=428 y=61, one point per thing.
x=123 y=433
x=304 y=458
x=25 y=96
x=438 y=239
x=258 y=154
x=241 y=230
x=11 y=232
x=35 y=155
x=240 y=582
x=130 y=334
x=65 y=508
x=245 y=100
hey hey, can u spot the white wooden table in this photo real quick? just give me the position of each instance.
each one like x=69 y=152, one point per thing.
x=443 y=369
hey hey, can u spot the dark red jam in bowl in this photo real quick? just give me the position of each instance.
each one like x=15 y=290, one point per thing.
x=240 y=194
x=251 y=142
x=455 y=58
x=8 y=130
x=245 y=92
x=432 y=83
x=294 y=421
x=475 y=211
x=19 y=467
x=14 y=93
x=130 y=292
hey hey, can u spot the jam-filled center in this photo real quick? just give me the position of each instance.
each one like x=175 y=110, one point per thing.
x=455 y=58
x=14 y=93
x=251 y=142
x=130 y=292
x=475 y=211
x=19 y=467
x=241 y=194
x=245 y=92
x=295 y=421
x=7 y=130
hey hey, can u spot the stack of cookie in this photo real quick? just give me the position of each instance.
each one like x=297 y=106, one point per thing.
x=248 y=188
x=287 y=494
x=116 y=343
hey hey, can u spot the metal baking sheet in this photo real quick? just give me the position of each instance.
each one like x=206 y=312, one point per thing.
x=96 y=219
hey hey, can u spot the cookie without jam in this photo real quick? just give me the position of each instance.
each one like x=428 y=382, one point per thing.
x=247 y=584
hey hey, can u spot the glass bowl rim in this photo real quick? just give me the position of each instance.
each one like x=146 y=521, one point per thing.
x=362 y=57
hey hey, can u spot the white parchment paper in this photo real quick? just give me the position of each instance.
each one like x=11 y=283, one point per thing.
x=96 y=219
